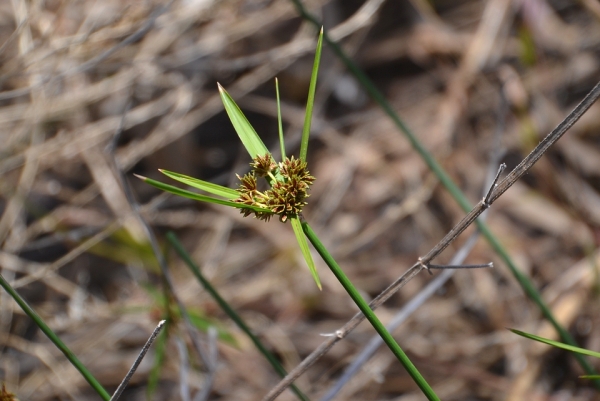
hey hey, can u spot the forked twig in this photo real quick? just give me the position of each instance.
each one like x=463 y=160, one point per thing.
x=514 y=175
x=488 y=195
x=407 y=310
x=137 y=362
x=421 y=264
x=457 y=267
x=434 y=285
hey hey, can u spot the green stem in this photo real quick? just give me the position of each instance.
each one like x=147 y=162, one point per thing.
x=369 y=314
x=447 y=182
x=279 y=121
x=172 y=238
x=536 y=297
x=57 y=341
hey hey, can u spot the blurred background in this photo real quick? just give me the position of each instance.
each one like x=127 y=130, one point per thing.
x=93 y=91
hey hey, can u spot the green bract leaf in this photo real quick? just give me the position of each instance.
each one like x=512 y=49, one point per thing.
x=198 y=197
x=557 y=344
x=311 y=99
x=252 y=142
x=279 y=123
x=297 y=226
x=215 y=189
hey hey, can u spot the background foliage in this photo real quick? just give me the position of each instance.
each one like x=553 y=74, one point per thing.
x=69 y=244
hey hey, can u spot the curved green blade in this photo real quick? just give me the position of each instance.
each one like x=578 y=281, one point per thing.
x=297 y=226
x=252 y=142
x=557 y=344
x=215 y=189
x=311 y=99
x=55 y=339
x=198 y=197
x=279 y=122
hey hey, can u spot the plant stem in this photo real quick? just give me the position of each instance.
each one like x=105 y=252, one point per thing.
x=447 y=182
x=536 y=297
x=54 y=338
x=369 y=314
x=172 y=238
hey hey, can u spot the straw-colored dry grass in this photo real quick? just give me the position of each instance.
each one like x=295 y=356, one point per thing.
x=67 y=75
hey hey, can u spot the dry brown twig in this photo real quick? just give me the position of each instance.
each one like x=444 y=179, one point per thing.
x=496 y=190
x=137 y=362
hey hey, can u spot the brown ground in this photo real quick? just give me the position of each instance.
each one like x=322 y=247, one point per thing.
x=72 y=248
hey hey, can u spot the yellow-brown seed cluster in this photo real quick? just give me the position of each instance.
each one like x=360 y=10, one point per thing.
x=290 y=182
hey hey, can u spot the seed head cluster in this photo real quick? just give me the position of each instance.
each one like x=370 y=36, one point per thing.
x=290 y=181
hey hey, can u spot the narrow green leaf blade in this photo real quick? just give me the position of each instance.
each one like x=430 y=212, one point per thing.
x=172 y=238
x=38 y=321
x=198 y=197
x=557 y=344
x=279 y=122
x=252 y=142
x=311 y=99
x=209 y=187
x=297 y=226
x=592 y=377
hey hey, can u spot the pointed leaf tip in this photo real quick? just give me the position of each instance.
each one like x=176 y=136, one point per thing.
x=141 y=177
x=311 y=99
x=297 y=226
x=252 y=142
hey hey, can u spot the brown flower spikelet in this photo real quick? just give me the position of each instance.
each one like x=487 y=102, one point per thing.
x=288 y=194
x=263 y=165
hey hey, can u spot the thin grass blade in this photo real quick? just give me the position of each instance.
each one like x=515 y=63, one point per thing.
x=198 y=197
x=297 y=226
x=311 y=99
x=209 y=187
x=252 y=142
x=557 y=344
x=224 y=305
x=279 y=121
x=55 y=339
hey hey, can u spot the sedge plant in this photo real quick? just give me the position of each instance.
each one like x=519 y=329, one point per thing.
x=289 y=181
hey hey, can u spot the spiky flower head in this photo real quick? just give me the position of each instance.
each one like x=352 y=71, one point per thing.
x=287 y=198
x=296 y=168
x=247 y=183
x=263 y=165
x=288 y=193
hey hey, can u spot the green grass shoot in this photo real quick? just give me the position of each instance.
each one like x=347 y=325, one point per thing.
x=209 y=187
x=311 y=99
x=252 y=142
x=192 y=195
